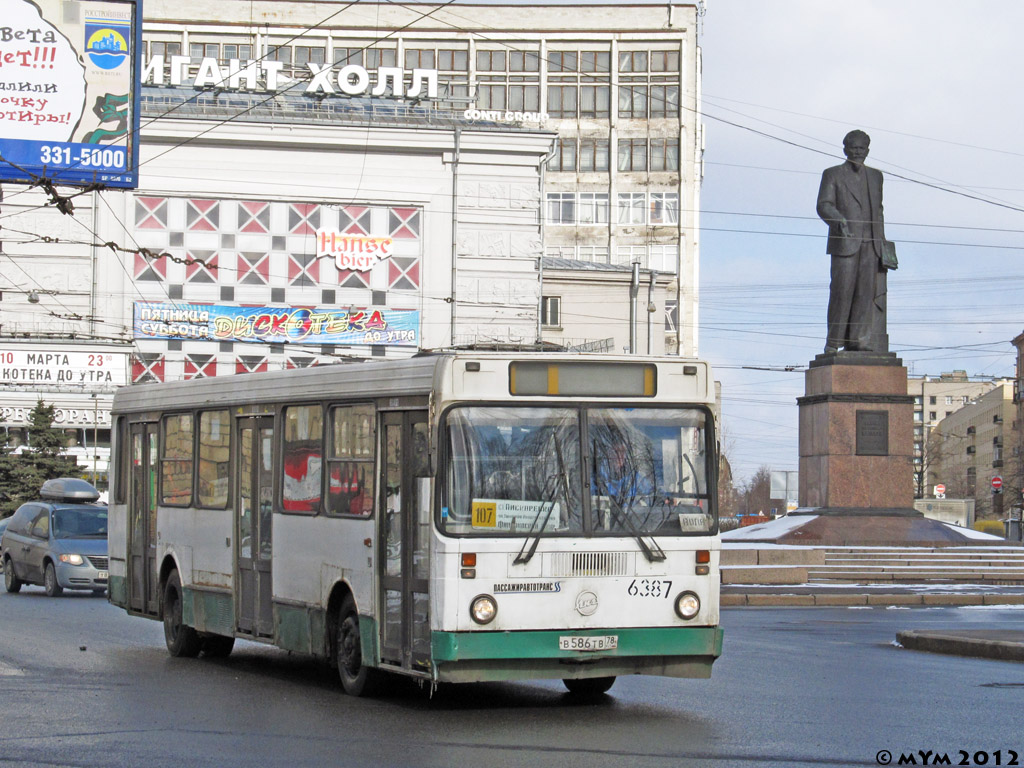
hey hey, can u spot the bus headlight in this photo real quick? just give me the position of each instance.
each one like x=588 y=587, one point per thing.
x=483 y=609
x=687 y=605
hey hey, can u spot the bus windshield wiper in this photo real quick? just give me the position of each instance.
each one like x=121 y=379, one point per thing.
x=653 y=552
x=533 y=540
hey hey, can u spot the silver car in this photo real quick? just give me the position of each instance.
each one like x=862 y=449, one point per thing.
x=59 y=541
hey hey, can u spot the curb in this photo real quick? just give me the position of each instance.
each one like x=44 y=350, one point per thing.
x=752 y=600
x=961 y=645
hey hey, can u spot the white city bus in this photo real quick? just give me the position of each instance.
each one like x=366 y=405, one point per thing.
x=454 y=517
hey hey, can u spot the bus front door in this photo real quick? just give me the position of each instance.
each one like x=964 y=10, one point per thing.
x=253 y=525
x=143 y=586
x=406 y=521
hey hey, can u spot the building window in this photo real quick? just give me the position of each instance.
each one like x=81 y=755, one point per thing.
x=237 y=51
x=931 y=415
x=562 y=101
x=949 y=399
x=593 y=154
x=633 y=61
x=561 y=207
x=632 y=154
x=595 y=61
x=664 y=154
x=523 y=61
x=563 y=61
x=453 y=61
x=595 y=253
x=663 y=258
x=551 y=311
x=631 y=207
x=664 y=207
x=524 y=98
x=164 y=49
x=305 y=54
x=491 y=97
x=917 y=400
x=918 y=416
x=381 y=57
x=593 y=208
x=204 y=50
x=595 y=101
x=420 y=58
x=342 y=57
x=564 y=157
x=633 y=101
x=664 y=61
x=490 y=61
x=664 y=101
x=932 y=399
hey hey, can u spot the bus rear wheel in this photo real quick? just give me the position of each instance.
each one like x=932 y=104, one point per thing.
x=357 y=679
x=182 y=640
x=589 y=687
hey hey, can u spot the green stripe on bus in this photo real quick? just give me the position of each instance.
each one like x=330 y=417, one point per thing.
x=651 y=641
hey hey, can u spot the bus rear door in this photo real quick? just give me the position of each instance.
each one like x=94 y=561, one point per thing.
x=254 y=503
x=142 y=578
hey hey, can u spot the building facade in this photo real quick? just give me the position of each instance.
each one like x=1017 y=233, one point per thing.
x=323 y=181
x=972 y=446
x=935 y=398
x=620 y=85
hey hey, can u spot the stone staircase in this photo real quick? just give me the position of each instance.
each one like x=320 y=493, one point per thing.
x=877 y=566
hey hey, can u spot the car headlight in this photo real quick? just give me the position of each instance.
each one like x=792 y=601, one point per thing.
x=72 y=559
x=687 y=605
x=483 y=609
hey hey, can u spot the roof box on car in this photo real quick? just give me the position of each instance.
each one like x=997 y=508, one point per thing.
x=69 y=489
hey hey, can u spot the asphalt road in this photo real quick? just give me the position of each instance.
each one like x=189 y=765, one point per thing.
x=83 y=684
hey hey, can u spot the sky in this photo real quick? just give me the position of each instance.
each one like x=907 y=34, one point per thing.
x=936 y=85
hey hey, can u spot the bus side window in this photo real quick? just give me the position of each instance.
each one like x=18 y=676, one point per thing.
x=350 y=460
x=303 y=458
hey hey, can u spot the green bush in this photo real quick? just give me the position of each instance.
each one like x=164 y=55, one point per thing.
x=989 y=526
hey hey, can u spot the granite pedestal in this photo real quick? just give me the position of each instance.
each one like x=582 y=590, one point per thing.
x=856 y=436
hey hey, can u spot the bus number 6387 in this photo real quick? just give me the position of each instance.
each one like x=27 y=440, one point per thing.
x=649 y=588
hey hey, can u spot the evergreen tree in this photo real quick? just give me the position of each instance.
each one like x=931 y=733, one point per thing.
x=22 y=476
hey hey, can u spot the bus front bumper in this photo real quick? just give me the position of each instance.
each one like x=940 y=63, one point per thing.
x=463 y=657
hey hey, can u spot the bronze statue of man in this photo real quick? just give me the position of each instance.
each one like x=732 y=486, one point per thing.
x=850 y=202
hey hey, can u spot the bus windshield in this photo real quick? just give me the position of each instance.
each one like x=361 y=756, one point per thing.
x=523 y=470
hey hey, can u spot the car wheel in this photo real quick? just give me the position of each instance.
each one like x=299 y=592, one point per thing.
x=217 y=646
x=11 y=582
x=357 y=679
x=182 y=640
x=50 y=583
x=590 y=687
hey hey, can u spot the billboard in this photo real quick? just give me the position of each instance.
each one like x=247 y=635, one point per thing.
x=69 y=109
x=277 y=325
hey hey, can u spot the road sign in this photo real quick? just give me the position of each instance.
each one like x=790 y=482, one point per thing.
x=940 y=490
x=997 y=483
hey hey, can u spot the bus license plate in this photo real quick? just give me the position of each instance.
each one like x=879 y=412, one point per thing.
x=588 y=643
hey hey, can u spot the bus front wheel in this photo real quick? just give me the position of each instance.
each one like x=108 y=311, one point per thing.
x=356 y=678
x=589 y=687
x=182 y=640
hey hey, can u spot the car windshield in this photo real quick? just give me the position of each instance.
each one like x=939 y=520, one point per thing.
x=522 y=470
x=80 y=523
